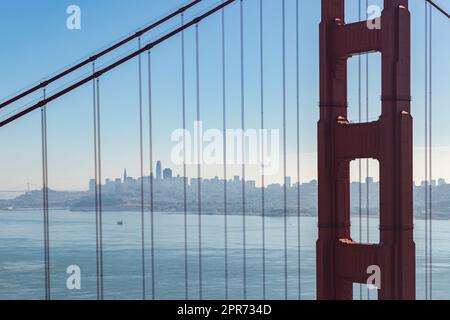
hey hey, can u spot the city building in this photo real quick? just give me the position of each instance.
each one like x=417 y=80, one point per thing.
x=167 y=174
x=118 y=185
x=158 y=170
x=92 y=185
x=288 y=182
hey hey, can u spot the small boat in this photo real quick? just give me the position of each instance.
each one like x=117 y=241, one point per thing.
x=120 y=223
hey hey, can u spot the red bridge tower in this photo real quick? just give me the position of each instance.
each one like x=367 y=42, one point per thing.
x=340 y=261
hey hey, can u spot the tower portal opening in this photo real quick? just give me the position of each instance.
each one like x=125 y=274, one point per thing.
x=365 y=200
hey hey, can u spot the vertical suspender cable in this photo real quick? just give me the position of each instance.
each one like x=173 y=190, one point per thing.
x=430 y=145
x=199 y=166
x=224 y=118
x=45 y=199
x=99 y=171
x=263 y=183
x=141 y=152
x=47 y=202
x=183 y=89
x=367 y=160
x=244 y=213
x=97 y=238
x=98 y=190
x=426 y=150
x=297 y=51
x=284 y=150
x=152 y=176
x=359 y=161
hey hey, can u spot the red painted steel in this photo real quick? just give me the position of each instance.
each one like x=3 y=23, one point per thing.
x=340 y=261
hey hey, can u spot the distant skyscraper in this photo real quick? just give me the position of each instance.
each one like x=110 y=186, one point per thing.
x=441 y=182
x=167 y=174
x=117 y=185
x=158 y=170
x=288 y=182
x=92 y=185
x=125 y=175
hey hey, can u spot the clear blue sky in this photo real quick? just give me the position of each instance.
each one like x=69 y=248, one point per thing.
x=36 y=43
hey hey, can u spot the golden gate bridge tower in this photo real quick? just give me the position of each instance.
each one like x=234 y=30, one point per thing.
x=341 y=262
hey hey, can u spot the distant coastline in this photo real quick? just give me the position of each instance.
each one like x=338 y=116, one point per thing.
x=437 y=216
x=169 y=195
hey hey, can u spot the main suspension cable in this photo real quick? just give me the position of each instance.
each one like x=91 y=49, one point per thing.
x=114 y=65
x=95 y=57
x=441 y=10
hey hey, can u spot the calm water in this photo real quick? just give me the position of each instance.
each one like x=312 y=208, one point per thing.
x=73 y=243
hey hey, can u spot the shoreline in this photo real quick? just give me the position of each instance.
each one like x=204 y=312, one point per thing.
x=193 y=212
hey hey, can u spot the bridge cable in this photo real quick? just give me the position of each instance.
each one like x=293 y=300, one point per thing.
x=359 y=160
x=183 y=89
x=141 y=151
x=45 y=199
x=297 y=51
x=99 y=171
x=225 y=175
x=430 y=151
x=367 y=160
x=426 y=151
x=438 y=8
x=100 y=54
x=97 y=239
x=199 y=166
x=263 y=183
x=114 y=65
x=152 y=176
x=97 y=180
x=244 y=209
x=284 y=153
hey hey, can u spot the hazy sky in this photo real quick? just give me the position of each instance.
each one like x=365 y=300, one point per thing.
x=37 y=43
